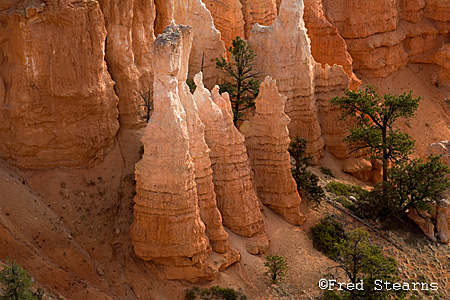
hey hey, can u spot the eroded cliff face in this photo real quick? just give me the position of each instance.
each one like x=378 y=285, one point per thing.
x=284 y=53
x=207 y=43
x=383 y=36
x=57 y=103
x=130 y=24
x=327 y=46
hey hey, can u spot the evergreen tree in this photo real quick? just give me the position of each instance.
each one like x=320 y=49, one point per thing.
x=375 y=118
x=417 y=183
x=240 y=85
x=16 y=283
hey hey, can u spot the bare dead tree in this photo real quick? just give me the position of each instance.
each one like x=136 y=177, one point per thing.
x=148 y=105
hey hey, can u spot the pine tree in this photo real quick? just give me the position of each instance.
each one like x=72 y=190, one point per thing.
x=240 y=85
x=16 y=283
x=375 y=118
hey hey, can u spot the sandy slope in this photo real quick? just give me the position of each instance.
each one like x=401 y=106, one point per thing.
x=69 y=227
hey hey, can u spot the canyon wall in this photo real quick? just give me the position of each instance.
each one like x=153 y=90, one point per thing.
x=283 y=52
x=129 y=24
x=383 y=36
x=57 y=102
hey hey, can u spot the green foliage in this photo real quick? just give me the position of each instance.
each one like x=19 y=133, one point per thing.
x=276 y=267
x=241 y=85
x=412 y=184
x=342 y=189
x=326 y=171
x=331 y=295
x=214 y=293
x=380 y=203
x=307 y=182
x=417 y=182
x=326 y=235
x=17 y=283
x=361 y=260
x=375 y=117
x=358 y=258
x=191 y=84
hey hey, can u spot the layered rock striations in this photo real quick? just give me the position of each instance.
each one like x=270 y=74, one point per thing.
x=329 y=82
x=129 y=24
x=283 y=52
x=267 y=141
x=167 y=228
x=262 y=12
x=207 y=43
x=199 y=153
x=327 y=46
x=57 y=102
x=385 y=36
x=236 y=197
x=228 y=19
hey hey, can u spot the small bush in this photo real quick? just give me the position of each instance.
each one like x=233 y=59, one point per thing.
x=326 y=235
x=191 y=84
x=326 y=171
x=214 y=293
x=342 y=189
x=17 y=283
x=307 y=182
x=276 y=267
x=346 y=203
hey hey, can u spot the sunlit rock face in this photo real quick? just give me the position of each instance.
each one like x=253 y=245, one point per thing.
x=167 y=228
x=57 y=102
x=267 y=141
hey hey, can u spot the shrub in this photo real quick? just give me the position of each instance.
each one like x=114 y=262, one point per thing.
x=276 y=267
x=342 y=189
x=326 y=235
x=326 y=171
x=307 y=182
x=16 y=283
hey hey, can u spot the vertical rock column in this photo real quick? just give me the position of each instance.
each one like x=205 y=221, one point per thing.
x=283 y=52
x=267 y=142
x=236 y=197
x=207 y=44
x=199 y=152
x=167 y=228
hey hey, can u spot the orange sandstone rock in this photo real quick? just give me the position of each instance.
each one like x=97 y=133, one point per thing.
x=58 y=107
x=262 y=12
x=228 y=19
x=236 y=197
x=412 y=10
x=207 y=44
x=358 y=19
x=129 y=24
x=167 y=228
x=327 y=46
x=267 y=141
x=199 y=153
x=284 y=53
